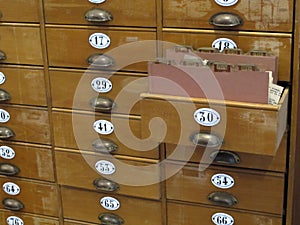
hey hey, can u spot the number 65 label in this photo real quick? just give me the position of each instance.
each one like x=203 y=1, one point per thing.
x=207 y=117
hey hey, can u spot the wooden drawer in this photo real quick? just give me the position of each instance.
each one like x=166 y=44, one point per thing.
x=85 y=206
x=32 y=161
x=133 y=13
x=21 y=44
x=76 y=131
x=277 y=44
x=242 y=127
x=255 y=15
x=244 y=189
x=83 y=161
x=73 y=89
x=37 y=198
x=61 y=51
x=27 y=218
x=19 y=11
x=181 y=214
x=70 y=222
x=26 y=124
x=25 y=85
x=235 y=159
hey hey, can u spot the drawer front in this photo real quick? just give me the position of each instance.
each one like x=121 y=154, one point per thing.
x=24 y=85
x=87 y=90
x=133 y=13
x=257 y=191
x=61 y=51
x=228 y=158
x=81 y=135
x=278 y=45
x=251 y=15
x=21 y=45
x=249 y=128
x=191 y=213
x=92 y=180
x=26 y=124
x=85 y=206
x=26 y=218
x=28 y=161
x=37 y=198
x=68 y=222
x=19 y=11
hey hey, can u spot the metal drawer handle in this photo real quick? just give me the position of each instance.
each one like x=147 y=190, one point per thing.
x=225 y=157
x=223 y=199
x=6 y=132
x=12 y=204
x=105 y=185
x=104 y=145
x=102 y=104
x=110 y=219
x=100 y=60
x=206 y=140
x=98 y=15
x=4 y=95
x=2 y=55
x=8 y=169
x=226 y=20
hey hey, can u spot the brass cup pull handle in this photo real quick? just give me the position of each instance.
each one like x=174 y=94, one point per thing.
x=104 y=145
x=100 y=60
x=4 y=95
x=8 y=169
x=110 y=219
x=102 y=104
x=2 y=55
x=206 y=140
x=105 y=185
x=225 y=157
x=6 y=132
x=12 y=204
x=98 y=15
x=223 y=199
x=225 y=20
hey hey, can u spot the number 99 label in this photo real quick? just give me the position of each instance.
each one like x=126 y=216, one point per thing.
x=207 y=117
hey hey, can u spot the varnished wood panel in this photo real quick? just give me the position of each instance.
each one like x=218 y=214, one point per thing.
x=130 y=13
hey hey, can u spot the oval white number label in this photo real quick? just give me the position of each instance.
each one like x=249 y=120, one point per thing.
x=2 y=78
x=103 y=127
x=110 y=203
x=7 y=152
x=226 y=2
x=13 y=220
x=105 y=167
x=11 y=188
x=223 y=43
x=99 y=40
x=97 y=1
x=222 y=219
x=207 y=117
x=101 y=85
x=4 y=116
x=223 y=181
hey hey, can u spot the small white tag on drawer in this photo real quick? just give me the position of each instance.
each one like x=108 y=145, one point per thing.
x=104 y=127
x=7 y=152
x=14 y=220
x=4 y=116
x=97 y=1
x=223 y=43
x=226 y=2
x=222 y=180
x=11 y=188
x=222 y=219
x=99 y=40
x=105 y=167
x=110 y=203
x=2 y=78
x=101 y=85
x=207 y=117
